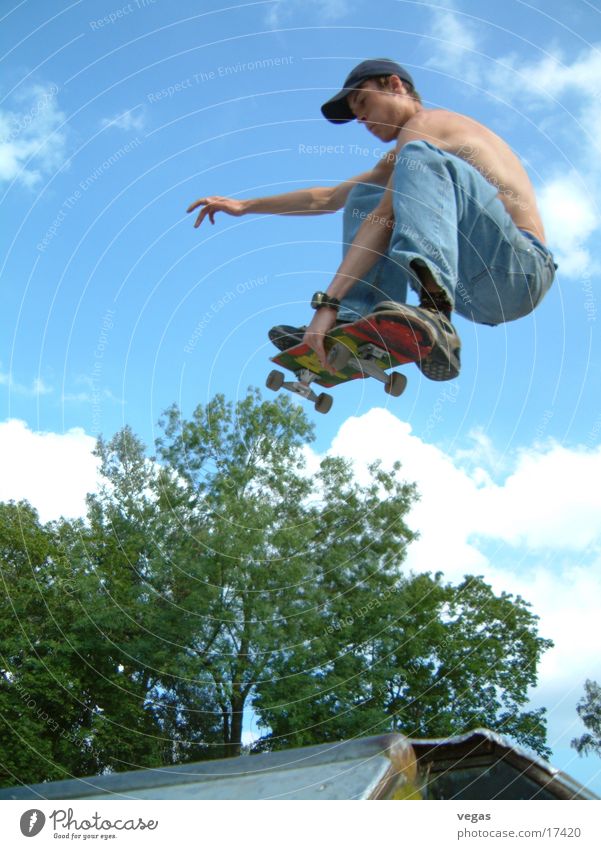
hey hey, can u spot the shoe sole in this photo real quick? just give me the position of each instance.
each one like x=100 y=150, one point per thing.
x=408 y=334
x=437 y=364
x=442 y=362
x=439 y=368
x=405 y=333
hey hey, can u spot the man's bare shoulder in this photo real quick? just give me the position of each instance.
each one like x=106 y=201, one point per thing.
x=487 y=152
x=445 y=129
x=442 y=117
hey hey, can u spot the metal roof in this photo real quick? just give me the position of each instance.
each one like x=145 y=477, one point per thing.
x=368 y=768
x=484 y=765
x=476 y=765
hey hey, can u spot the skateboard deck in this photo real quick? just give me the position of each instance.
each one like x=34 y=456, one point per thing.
x=369 y=347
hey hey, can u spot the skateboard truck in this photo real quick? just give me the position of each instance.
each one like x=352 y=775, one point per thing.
x=364 y=360
x=301 y=386
x=339 y=357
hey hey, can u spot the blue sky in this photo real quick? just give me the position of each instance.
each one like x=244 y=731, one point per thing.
x=115 y=116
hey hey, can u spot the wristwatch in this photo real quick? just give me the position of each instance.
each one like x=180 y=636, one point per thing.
x=321 y=299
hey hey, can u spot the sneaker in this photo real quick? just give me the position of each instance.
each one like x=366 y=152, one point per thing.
x=285 y=336
x=443 y=362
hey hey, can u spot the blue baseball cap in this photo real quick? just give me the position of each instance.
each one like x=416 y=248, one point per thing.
x=337 y=110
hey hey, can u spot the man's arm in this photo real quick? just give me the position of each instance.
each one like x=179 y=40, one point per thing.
x=369 y=245
x=372 y=238
x=313 y=201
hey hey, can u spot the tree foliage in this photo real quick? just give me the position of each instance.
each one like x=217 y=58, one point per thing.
x=422 y=657
x=222 y=577
x=589 y=711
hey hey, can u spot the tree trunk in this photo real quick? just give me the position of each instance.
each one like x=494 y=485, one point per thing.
x=226 y=726
x=234 y=744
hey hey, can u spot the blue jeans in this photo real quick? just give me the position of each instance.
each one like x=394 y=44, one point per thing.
x=448 y=217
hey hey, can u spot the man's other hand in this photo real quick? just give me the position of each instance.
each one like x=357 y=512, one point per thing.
x=323 y=321
x=214 y=204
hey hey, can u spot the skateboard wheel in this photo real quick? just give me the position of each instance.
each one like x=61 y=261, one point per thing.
x=339 y=356
x=396 y=384
x=275 y=380
x=324 y=403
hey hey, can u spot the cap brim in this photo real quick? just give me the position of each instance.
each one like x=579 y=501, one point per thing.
x=337 y=109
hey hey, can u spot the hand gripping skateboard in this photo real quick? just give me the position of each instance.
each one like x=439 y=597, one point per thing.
x=369 y=347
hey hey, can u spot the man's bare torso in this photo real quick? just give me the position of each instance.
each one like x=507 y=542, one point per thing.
x=481 y=148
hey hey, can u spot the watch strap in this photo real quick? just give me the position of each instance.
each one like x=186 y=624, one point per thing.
x=322 y=299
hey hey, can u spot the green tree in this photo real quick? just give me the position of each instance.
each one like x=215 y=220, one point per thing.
x=414 y=655
x=321 y=632
x=477 y=656
x=89 y=634
x=150 y=601
x=275 y=547
x=589 y=711
x=46 y=710
x=222 y=577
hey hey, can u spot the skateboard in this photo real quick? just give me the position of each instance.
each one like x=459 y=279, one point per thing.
x=369 y=347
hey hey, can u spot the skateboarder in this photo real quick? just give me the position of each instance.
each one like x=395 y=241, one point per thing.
x=450 y=213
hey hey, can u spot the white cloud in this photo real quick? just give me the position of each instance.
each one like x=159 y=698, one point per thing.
x=569 y=89
x=92 y=394
x=53 y=471
x=553 y=75
x=567 y=603
x=534 y=532
x=541 y=80
x=37 y=388
x=452 y=41
x=31 y=143
x=481 y=458
x=539 y=512
x=570 y=217
x=442 y=485
x=133 y=119
x=548 y=498
x=569 y=92
x=552 y=501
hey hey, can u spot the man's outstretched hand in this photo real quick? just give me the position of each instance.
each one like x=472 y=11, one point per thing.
x=215 y=204
x=323 y=321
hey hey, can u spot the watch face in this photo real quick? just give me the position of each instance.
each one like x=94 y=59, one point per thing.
x=321 y=299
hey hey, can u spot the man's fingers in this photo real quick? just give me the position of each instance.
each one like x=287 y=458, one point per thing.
x=196 y=204
x=325 y=363
x=201 y=216
x=211 y=205
x=318 y=348
x=315 y=341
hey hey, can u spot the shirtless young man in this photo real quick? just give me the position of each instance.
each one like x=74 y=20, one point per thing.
x=451 y=213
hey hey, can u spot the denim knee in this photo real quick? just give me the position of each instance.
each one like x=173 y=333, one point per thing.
x=414 y=155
